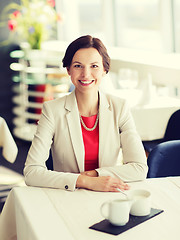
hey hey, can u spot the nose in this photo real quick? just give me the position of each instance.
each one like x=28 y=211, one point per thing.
x=85 y=72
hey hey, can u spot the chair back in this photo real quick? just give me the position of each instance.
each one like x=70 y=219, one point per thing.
x=164 y=160
x=173 y=127
x=49 y=162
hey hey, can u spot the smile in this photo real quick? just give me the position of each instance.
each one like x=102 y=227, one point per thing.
x=83 y=82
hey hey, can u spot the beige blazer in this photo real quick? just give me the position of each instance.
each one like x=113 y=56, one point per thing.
x=59 y=128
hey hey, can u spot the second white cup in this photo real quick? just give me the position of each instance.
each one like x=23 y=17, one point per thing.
x=141 y=202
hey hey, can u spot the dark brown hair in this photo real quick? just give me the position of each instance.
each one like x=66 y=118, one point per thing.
x=86 y=42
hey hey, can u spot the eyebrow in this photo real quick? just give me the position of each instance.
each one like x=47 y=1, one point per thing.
x=82 y=63
x=76 y=62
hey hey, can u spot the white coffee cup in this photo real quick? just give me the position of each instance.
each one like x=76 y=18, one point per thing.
x=141 y=202
x=117 y=211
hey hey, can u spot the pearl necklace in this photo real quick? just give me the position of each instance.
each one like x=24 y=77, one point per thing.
x=95 y=125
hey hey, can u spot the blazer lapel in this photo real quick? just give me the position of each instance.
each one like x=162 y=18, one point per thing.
x=105 y=116
x=75 y=129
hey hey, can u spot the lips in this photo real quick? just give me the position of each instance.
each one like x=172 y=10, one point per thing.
x=85 y=82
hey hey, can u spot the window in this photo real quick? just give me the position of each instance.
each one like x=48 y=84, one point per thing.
x=152 y=25
x=90 y=15
x=138 y=24
x=176 y=21
x=96 y=18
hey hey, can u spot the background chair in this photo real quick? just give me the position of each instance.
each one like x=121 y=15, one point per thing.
x=49 y=162
x=164 y=160
x=172 y=132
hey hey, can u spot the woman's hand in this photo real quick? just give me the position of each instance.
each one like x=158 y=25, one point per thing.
x=92 y=173
x=102 y=183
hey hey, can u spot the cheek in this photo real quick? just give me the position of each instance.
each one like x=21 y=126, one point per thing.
x=100 y=74
x=72 y=74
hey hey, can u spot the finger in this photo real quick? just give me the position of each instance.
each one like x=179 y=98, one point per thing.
x=127 y=187
x=116 y=183
x=116 y=190
x=123 y=186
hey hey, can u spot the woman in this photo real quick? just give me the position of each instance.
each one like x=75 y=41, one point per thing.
x=85 y=130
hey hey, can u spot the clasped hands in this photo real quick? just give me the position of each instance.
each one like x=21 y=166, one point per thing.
x=91 y=180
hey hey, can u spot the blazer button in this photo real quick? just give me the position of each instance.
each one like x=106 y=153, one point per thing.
x=66 y=187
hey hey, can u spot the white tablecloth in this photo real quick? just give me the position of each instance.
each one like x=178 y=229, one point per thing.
x=9 y=177
x=41 y=213
x=7 y=142
x=151 y=122
x=151 y=118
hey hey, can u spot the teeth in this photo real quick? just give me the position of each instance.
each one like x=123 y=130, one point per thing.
x=85 y=82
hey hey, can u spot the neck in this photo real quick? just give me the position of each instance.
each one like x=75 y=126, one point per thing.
x=88 y=104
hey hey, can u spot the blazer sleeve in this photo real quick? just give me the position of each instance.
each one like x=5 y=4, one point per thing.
x=134 y=167
x=35 y=171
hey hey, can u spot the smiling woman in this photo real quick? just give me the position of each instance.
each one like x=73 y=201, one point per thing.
x=86 y=70
x=86 y=130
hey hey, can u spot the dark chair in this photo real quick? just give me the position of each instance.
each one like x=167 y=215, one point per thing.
x=172 y=132
x=49 y=162
x=1 y=205
x=164 y=160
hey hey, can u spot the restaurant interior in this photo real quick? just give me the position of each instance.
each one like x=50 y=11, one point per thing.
x=143 y=41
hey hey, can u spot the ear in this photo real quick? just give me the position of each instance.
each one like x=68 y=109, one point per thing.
x=104 y=73
x=68 y=70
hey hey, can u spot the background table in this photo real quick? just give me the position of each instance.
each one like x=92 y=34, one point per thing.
x=41 y=213
x=151 y=118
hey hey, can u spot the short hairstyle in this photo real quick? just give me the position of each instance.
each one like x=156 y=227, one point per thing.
x=86 y=42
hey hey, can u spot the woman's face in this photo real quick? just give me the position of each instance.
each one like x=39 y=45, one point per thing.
x=86 y=70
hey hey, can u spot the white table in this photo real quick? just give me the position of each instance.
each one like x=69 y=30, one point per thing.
x=41 y=213
x=151 y=118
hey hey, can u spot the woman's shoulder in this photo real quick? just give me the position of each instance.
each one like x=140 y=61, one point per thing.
x=55 y=106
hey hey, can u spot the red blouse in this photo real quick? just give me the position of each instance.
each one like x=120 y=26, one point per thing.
x=91 y=143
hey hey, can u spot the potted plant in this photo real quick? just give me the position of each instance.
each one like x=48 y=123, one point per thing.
x=32 y=21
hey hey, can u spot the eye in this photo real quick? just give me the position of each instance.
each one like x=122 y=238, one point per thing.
x=94 y=66
x=77 y=66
